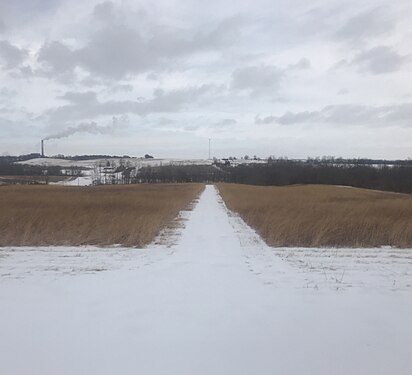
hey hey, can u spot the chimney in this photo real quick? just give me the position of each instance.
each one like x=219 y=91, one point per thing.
x=42 y=148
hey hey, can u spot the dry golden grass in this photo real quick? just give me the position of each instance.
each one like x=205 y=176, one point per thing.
x=319 y=215
x=131 y=215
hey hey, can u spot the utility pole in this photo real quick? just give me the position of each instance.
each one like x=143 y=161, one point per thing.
x=209 y=148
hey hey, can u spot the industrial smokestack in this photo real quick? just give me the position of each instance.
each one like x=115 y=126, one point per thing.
x=42 y=148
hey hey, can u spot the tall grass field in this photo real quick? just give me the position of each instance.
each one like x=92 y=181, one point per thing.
x=321 y=215
x=129 y=215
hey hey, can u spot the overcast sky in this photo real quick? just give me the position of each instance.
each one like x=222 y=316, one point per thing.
x=259 y=77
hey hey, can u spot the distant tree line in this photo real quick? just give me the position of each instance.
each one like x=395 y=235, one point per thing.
x=353 y=161
x=13 y=159
x=180 y=173
x=286 y=172
x=28 y=170
x=280 y=173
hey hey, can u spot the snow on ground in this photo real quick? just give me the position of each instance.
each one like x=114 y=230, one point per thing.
x=78 y=181
x=215 y=300
x=86 y=179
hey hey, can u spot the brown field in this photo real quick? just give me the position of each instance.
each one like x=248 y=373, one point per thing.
x=130 y=215
x=320 y=215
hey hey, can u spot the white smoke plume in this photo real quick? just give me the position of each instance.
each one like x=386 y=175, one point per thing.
x=91 y=128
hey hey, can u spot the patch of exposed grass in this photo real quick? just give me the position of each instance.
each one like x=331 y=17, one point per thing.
x=130 y=215
x=321 y=215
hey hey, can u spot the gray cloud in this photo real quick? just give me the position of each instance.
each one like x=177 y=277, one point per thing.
x=85 y=105
x=347 y=114
x=82 y=98
x=265 y=120
x=117 y=50
x=104 y=11
x=257 y=79
x=121 y=88
x=367 y=24
x=381 y=60
x=19 y=13
x=57 y=57
x=303 y=63
x=225 y=122
x=264 y=79
x=10 y=55
x=7 y=93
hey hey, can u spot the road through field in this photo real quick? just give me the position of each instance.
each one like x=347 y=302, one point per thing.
x=217 y=301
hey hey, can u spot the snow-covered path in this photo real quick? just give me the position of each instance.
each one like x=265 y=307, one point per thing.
x=217 y=302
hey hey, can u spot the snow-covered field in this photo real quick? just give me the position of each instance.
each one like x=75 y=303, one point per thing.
x=212 y=299
x=86 y=179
